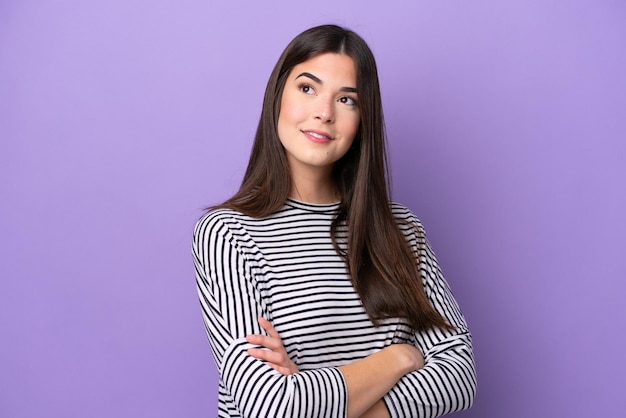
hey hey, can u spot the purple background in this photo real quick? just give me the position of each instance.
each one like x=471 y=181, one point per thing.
x=120 y=120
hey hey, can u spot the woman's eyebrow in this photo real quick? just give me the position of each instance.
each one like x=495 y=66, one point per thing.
x=319 y=81
x=311 y=76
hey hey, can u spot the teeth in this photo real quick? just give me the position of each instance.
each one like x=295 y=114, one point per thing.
x=317 y=135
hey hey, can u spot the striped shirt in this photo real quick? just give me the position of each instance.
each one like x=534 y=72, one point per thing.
x=284 y=268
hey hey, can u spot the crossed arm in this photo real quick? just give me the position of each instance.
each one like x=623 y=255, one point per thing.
x=431 y=376
x=367 y=379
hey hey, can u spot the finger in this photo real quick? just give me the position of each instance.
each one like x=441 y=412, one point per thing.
x=279 y=359
x=267 y=326
x=285 y=371
x=267 y=342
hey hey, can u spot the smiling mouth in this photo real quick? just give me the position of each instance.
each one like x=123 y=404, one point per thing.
x=317 y=135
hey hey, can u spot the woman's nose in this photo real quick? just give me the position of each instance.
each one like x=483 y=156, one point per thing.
x=325 y=111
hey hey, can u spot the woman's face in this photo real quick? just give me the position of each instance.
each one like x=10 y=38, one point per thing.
x=319 y=115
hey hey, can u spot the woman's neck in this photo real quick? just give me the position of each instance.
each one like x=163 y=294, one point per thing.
x=314 y=190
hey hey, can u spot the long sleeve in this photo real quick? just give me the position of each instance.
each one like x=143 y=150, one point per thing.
x=232 y=297
x=447 y=382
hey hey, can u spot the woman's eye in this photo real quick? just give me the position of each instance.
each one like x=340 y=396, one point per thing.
x=306 y=89
x=348 y=100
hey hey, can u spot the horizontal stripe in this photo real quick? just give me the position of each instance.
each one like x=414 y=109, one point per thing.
x=285 y=268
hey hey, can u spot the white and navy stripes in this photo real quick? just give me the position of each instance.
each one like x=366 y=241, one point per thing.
x=285 y=268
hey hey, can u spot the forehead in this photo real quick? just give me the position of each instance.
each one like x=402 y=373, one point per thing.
x=330 y=68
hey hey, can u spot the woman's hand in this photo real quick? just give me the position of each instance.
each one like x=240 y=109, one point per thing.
x=274 y=352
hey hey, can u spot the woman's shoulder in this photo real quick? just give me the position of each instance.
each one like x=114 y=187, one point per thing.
x=228 y=219
x=219 y=214
x=216 y=219
x=404 y=214
x=410 y=225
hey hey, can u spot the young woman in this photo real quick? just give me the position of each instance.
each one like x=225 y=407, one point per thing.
x=320 y=297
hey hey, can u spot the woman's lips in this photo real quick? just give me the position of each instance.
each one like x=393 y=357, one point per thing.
x=317 y=136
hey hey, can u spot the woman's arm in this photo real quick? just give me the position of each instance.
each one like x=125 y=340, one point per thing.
x=231 y=302
x=447 y=382
x=370 y=378
x=379 y=387
x=367 y=379
x=378 y=410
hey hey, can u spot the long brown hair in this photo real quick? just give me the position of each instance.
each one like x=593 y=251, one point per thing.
x=381 y=264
